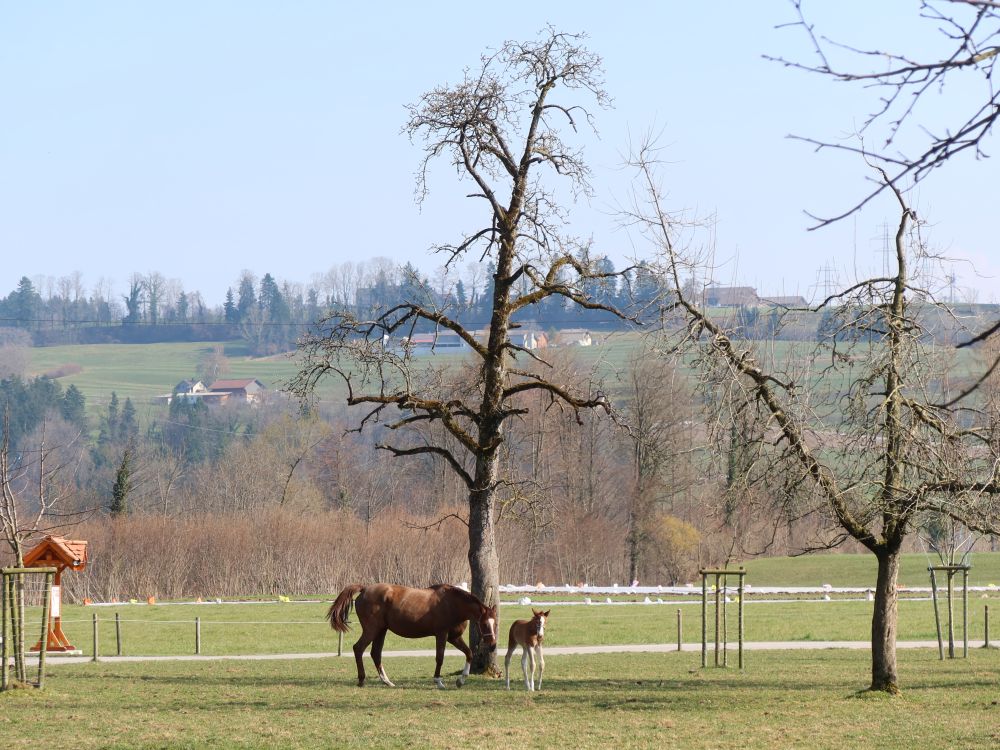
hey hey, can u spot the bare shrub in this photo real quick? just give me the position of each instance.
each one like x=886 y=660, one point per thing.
x=62 y=371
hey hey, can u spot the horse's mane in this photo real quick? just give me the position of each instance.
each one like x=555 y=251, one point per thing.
x=467 y=595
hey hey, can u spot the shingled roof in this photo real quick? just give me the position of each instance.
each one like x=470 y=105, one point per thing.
x=56 y=549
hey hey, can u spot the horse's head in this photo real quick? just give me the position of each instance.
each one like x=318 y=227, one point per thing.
x=539 y=619
x=489 y=623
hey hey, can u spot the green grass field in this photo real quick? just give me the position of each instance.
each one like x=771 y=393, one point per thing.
x=299 y=627
x=143 y=371
x=792 y=699
x=805 y=699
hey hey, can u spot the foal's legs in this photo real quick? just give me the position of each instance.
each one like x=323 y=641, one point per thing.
x=541 y=664
x=528 y=657
x=457 y=641
x=377 y=656
x=511 y=647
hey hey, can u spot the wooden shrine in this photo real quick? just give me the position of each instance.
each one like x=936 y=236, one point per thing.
x=61 y=554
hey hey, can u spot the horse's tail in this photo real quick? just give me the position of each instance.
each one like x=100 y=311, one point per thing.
x=341 y=607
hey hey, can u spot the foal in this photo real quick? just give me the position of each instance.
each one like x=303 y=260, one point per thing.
x=527 y=634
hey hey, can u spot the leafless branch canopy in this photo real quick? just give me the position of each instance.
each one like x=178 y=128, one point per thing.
x=971 y=33
x=871 y=444
x=504 y=127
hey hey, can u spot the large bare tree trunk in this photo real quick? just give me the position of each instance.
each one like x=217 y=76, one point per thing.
x=884 y=620
x=484 y=564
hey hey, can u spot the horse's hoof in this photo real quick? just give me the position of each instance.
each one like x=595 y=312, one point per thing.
x=439 y=683
x=459 y=682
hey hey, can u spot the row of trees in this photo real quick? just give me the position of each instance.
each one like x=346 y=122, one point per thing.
x=270 y=315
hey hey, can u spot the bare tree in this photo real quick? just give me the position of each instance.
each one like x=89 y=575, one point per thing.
x=656 y=411
x=213 y=363
x=34 y=494
x=866 y=446
x=502 y=128
x=970 y=31
x=31 y=493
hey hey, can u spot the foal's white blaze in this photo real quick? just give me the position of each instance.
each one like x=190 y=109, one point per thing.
x=492 y=625
x=541 y=625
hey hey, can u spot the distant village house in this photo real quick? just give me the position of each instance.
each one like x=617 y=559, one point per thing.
x=248 y=390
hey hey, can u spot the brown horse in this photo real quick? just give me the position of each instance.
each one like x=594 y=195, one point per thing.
x=441 y=611
x=528 y=634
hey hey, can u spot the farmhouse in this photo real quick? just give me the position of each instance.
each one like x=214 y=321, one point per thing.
x=731 y=296
x=250 y=390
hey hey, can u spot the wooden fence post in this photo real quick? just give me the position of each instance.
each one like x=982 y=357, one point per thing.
x=704 y=619
x=986 y=626
x=95 y=657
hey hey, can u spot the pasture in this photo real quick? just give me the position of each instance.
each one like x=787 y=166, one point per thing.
x=143 y=371
x=805 y=699
x=786 y=699
x=299 y=627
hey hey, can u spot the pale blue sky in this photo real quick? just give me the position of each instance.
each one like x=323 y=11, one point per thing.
x=201 y=138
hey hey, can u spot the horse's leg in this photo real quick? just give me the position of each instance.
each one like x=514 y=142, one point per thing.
x=377 y=656
x=531 y=663
x=524 y=666
x=359 y=653
x=439 y=657
x=541 y=664
x=506 y=661
x=457 y=641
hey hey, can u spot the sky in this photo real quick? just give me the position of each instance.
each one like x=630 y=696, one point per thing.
x=199 y=139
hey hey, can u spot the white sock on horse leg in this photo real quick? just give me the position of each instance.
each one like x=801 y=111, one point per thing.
x=384 y=677
x=439 y=682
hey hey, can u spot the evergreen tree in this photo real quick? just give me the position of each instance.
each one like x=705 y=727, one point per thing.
x=486 y=298
x=182 y=307
x=232 y=315
x=312 y=305
x=128 y=428
x=73 y=408
x=24 y=304
x=247 y=298
x=123 y=485
x=111 y=425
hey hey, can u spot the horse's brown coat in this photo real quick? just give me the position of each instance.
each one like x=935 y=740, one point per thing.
x=441 y=611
